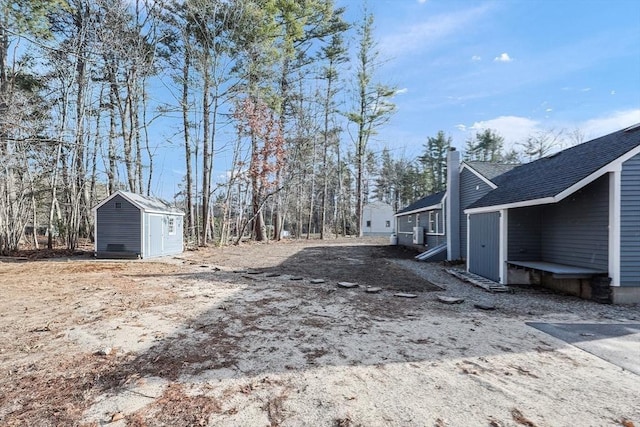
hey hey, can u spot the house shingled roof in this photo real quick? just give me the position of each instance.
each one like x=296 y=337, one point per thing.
x=425 y=202
x=551 y=175
x=491 y=170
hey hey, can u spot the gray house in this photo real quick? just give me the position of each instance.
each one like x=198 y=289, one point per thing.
x=564 y=220
x=132 y=225
x=421 y=224
x=569 y=221
x=436 y=223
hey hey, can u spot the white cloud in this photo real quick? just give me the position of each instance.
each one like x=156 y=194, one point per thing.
x=514 y=129
x=431 y=32
x=504 y=57
x=401 y=91
x=422 y=1
x=585 y=89
x=613 y=92
x=476 y=58
x=600 y=126
x=548 y=110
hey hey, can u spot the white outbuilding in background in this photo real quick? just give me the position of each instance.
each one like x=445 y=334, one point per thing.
x=377 y=219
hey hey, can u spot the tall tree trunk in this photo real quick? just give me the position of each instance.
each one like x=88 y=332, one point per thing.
x=145 y=127
x=54 y=195
x=312 y=190
x=325 y=148
x=112 y=154
x=187 y=142
x=206 y=173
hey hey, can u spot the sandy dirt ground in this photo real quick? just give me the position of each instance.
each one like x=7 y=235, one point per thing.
x=261 y=335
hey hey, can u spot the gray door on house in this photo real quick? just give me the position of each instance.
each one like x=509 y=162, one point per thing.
x=156 y=236
x=484 y=245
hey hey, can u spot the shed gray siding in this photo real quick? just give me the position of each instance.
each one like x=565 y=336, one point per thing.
x=630 y=223
x=118 y=226
x=472 y=189
x=484 y=245
x=524 y=233
x=575 y=231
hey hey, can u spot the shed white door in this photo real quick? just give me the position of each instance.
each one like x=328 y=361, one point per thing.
x=156 y=235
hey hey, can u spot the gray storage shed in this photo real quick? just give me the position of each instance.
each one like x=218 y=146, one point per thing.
x=132 y=225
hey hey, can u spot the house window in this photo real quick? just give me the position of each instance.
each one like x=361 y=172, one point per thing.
x=387 y=224
x=118 y=205
x=432 y=222
x=410 y=219
x=172 y=226
x=369 y=224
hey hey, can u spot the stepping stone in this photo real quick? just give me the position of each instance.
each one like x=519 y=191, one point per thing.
x=485 y=306
x=272 y=275
x=347 y=285
x=372 y=290
x=317 y=281
x=296 y=278
x=450 y=300
x=405 y=295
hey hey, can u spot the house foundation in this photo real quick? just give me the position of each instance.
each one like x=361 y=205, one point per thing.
x=625 y=295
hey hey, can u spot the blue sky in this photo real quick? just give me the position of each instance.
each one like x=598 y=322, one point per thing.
x=518 y=67
x=515 y=66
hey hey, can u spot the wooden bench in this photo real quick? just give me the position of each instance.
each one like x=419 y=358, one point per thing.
x=559 y=271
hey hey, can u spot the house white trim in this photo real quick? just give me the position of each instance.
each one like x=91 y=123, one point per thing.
x=522 y=204
x=416 y=211
x=615 y=203
x=610 y=167
x=468 y=239
x=504 y=245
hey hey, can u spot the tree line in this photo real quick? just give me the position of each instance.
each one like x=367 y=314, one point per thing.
x=77 y=113
x=400 y=182
x=292 y=81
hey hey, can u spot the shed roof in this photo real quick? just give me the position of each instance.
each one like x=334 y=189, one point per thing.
x=146 y=203
x=549 y=176
x=425 y=202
